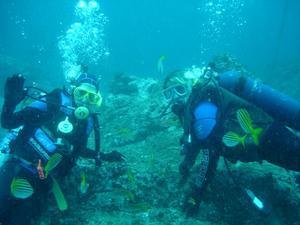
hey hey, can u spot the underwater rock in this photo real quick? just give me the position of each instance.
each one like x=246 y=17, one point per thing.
x=226 y=62
x=133 y=117
x=123 y=84
x=145 y=189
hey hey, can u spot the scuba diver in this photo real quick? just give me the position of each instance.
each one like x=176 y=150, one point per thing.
x=216 y=112
x=43 y=142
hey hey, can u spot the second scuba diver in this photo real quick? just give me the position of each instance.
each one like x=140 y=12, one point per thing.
x=45 y=138
x=216 y=112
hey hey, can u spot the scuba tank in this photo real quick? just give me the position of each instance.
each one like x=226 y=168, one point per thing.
x=4 y=144
x=278 y=105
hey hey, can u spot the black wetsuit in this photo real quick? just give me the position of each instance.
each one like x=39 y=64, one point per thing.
x=38 y=139
x=278 y=145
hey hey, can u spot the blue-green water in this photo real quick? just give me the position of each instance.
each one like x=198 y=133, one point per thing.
x=44 y=39
x=260 y=33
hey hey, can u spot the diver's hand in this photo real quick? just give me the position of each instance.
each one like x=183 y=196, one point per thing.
x=113 y=156
x=184 y=173
x=184 y=170
x=14 y=91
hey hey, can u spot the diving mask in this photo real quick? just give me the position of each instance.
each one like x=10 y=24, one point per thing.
x=87 y=95
x=174 y=92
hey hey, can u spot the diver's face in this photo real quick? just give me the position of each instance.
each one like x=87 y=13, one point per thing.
x=177 y=96
x=175 y=93
x=87 y=95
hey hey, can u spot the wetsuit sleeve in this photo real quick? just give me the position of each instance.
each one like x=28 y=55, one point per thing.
x=281 y=146
x=92 y=154
x=29 y=115
x=35 y=113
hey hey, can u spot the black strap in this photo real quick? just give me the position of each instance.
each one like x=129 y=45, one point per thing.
x=97 y=135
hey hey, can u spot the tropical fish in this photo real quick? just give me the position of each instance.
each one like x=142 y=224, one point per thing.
x=21 y=188
x=247 y=125
x=160 y=65
x=130 y=176
x=126 y=193
x=40 y=170
x=232 y=139
x=52 y=163
x=140 y=207
x=83 y=185
x=59 y=196
x=192 y=201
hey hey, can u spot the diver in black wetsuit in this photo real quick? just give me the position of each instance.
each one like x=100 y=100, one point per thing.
x=57 y=123
x=215 y=111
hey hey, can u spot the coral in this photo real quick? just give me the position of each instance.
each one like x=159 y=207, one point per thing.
x=145 y=189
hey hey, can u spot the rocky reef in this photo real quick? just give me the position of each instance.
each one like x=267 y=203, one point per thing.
x=145 y=188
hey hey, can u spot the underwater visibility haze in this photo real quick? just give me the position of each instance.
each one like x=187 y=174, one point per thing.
x=132 y=49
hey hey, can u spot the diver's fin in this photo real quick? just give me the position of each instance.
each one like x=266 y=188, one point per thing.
x=52 y=162
x=59 y=196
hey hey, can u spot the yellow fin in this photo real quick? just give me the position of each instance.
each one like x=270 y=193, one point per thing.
x=244 y=120
x=232 y=139
x=256 y=133
x=21 y=188
x=160 y=65
x=83 y=185
x=52 y=162
x=162 y=57
x=247 y=125
x=59 y=196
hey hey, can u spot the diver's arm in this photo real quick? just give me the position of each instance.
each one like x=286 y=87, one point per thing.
x=190 y=153
x=112 y=156
x=11 y=119
x=35 y=113
x=13 y=94
x=8 y=120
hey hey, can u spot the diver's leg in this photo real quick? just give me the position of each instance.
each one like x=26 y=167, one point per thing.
x=23 y=213
x=281 y=146
x=7 y=172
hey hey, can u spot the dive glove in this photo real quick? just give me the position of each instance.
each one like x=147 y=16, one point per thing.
x=14 y=91
x=113 y=156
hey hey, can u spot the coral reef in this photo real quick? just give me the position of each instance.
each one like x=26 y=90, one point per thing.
x=145 y=189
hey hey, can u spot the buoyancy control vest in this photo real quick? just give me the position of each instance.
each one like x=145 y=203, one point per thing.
x=40 y=140
x=227 y=105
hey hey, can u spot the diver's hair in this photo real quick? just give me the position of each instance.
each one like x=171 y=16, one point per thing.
x=175 y=73
x=88 y=78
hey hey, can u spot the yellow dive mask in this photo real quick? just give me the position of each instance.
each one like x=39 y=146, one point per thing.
x=87 y=95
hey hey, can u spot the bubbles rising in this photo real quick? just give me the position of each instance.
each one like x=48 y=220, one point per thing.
x=83 y=42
